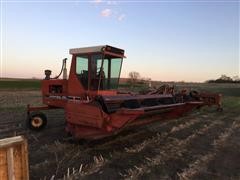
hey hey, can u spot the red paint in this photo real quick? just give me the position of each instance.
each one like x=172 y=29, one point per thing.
x=86 y=117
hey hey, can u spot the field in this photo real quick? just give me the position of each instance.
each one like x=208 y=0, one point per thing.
x=202 y=145
x=18 y=84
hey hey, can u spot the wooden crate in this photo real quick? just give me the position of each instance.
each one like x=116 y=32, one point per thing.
x=14 y=159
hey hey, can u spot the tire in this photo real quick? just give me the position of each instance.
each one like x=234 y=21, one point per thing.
x=37 y=121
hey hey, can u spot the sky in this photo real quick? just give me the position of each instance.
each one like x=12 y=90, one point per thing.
x=175 y=40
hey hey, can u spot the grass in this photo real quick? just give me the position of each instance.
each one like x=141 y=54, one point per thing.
x=20 y=84
x=114 y=150
x=225 y=89
x=232 y=103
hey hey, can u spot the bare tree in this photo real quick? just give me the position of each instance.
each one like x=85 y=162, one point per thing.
x=134 y=77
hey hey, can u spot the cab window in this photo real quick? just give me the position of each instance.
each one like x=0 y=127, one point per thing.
x=82 y=70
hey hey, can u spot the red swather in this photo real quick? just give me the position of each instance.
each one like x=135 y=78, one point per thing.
x=94 y=108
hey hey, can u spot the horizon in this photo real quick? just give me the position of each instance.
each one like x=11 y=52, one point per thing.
x=165 y=41
x=121 y=78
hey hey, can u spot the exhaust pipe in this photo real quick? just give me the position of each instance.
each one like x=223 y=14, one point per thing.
x=64 y=68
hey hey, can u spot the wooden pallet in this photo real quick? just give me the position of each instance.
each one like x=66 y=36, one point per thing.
x=14 y=159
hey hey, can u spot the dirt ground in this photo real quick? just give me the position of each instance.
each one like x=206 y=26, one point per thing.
x=203 y=145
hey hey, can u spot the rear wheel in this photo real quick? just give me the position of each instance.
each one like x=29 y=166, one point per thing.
x=37 y=121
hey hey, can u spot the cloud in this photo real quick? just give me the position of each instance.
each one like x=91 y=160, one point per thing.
x=121 y=17
x=112 y=2
x=106 y=13
x=97 y=1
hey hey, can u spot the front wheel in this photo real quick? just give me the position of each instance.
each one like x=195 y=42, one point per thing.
x=37 y=121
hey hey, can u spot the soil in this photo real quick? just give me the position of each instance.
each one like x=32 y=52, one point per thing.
x=202 y=145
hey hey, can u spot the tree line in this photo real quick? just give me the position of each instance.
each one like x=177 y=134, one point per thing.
x=135 y=78
x=225 y=79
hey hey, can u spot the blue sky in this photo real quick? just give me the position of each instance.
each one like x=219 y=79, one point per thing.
x=164 y=40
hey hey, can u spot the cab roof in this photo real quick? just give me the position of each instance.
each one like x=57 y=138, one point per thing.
x=94 y=49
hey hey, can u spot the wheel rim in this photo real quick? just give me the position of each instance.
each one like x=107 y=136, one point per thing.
x=37 y=122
